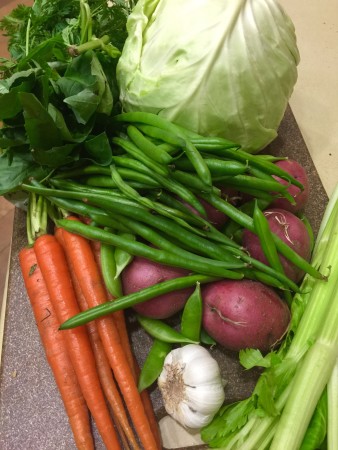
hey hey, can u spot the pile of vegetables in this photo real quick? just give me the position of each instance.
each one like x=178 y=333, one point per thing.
x=164 y=211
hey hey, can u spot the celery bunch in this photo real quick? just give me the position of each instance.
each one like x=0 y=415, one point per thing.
x=294 y=404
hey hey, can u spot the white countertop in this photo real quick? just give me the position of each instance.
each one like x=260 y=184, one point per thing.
x=315 y=99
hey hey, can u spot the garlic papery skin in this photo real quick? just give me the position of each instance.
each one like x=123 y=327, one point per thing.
x=191 y=386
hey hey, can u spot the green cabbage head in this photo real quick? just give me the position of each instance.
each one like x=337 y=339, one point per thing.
x=218 y=67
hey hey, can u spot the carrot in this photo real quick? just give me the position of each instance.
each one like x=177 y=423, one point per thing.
x=104 y=370
x=148 y=407
x=88 y=275
x=56 y=351
x=53 y=264
x=120 y=322
x=119 y=317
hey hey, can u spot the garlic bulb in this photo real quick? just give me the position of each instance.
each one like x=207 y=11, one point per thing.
x=191 y=386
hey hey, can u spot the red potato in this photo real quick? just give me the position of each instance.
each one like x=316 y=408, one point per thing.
x=241 y=314
x=142 y=273
x=291 y=230
x=301 y=197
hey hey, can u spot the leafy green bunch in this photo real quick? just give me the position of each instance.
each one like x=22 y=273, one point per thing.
x=59 y=88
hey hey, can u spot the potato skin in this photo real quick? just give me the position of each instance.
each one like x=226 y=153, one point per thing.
x=241 y=314
x=142 y=273
x=291 y=230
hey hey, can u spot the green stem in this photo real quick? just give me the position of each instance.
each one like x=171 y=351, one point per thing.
x=27 y=36
x=90 y=45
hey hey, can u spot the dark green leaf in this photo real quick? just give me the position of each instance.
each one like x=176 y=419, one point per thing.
x=99 y=150
x=10 y=105
x=40 y=127
x=43 y=53
x=12 y=137
x=84 y=104
x=21 y=168
x=54 y=157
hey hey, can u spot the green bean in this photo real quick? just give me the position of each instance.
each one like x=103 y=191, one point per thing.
x=161 y=242
x=266 y=240
x=309 y=228
x=109 y=270
x=179 y=208
x=165 y=182
x=214 y=142
x=134 y=176
x=192 y=153
x=147 y=146
x=257 y=193
x=80 y=171
x=153 y=364
x=139 y=249
x=64 y=184
x=232 y=227
x=191 y=181
x=171 y=149
x=264 y=278
x=135 y=298
x=265 y=269
x=261 y=163
x=74 y=206
x=162 y=331
x=247 y=222
x=135 y=211
x=217 y=167
x=132 y=194
x=136 y=153
x=191 y=321
x=251 y=182
x=162 y=135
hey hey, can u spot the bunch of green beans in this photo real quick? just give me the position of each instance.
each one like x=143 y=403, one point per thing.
x=157 y=169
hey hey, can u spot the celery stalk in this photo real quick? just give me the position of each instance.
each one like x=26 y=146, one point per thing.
x=314 y=372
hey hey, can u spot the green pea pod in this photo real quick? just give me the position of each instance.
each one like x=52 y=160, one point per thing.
x=192 y=315
x=263 y=231
x=206 y=339
x=146 y=145
x=153 y=364
x=109 y=269
x=123 y=258
x=162 y=331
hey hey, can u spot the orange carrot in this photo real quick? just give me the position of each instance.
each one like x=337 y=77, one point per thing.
x=53 y=264
x=119 y=317
x=104 y=370
x=56 y=351
x=148 y=407
x=88 y=275
x=120 y=322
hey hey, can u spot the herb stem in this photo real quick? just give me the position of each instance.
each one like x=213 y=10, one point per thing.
x=90 y=45
x=28 y=28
